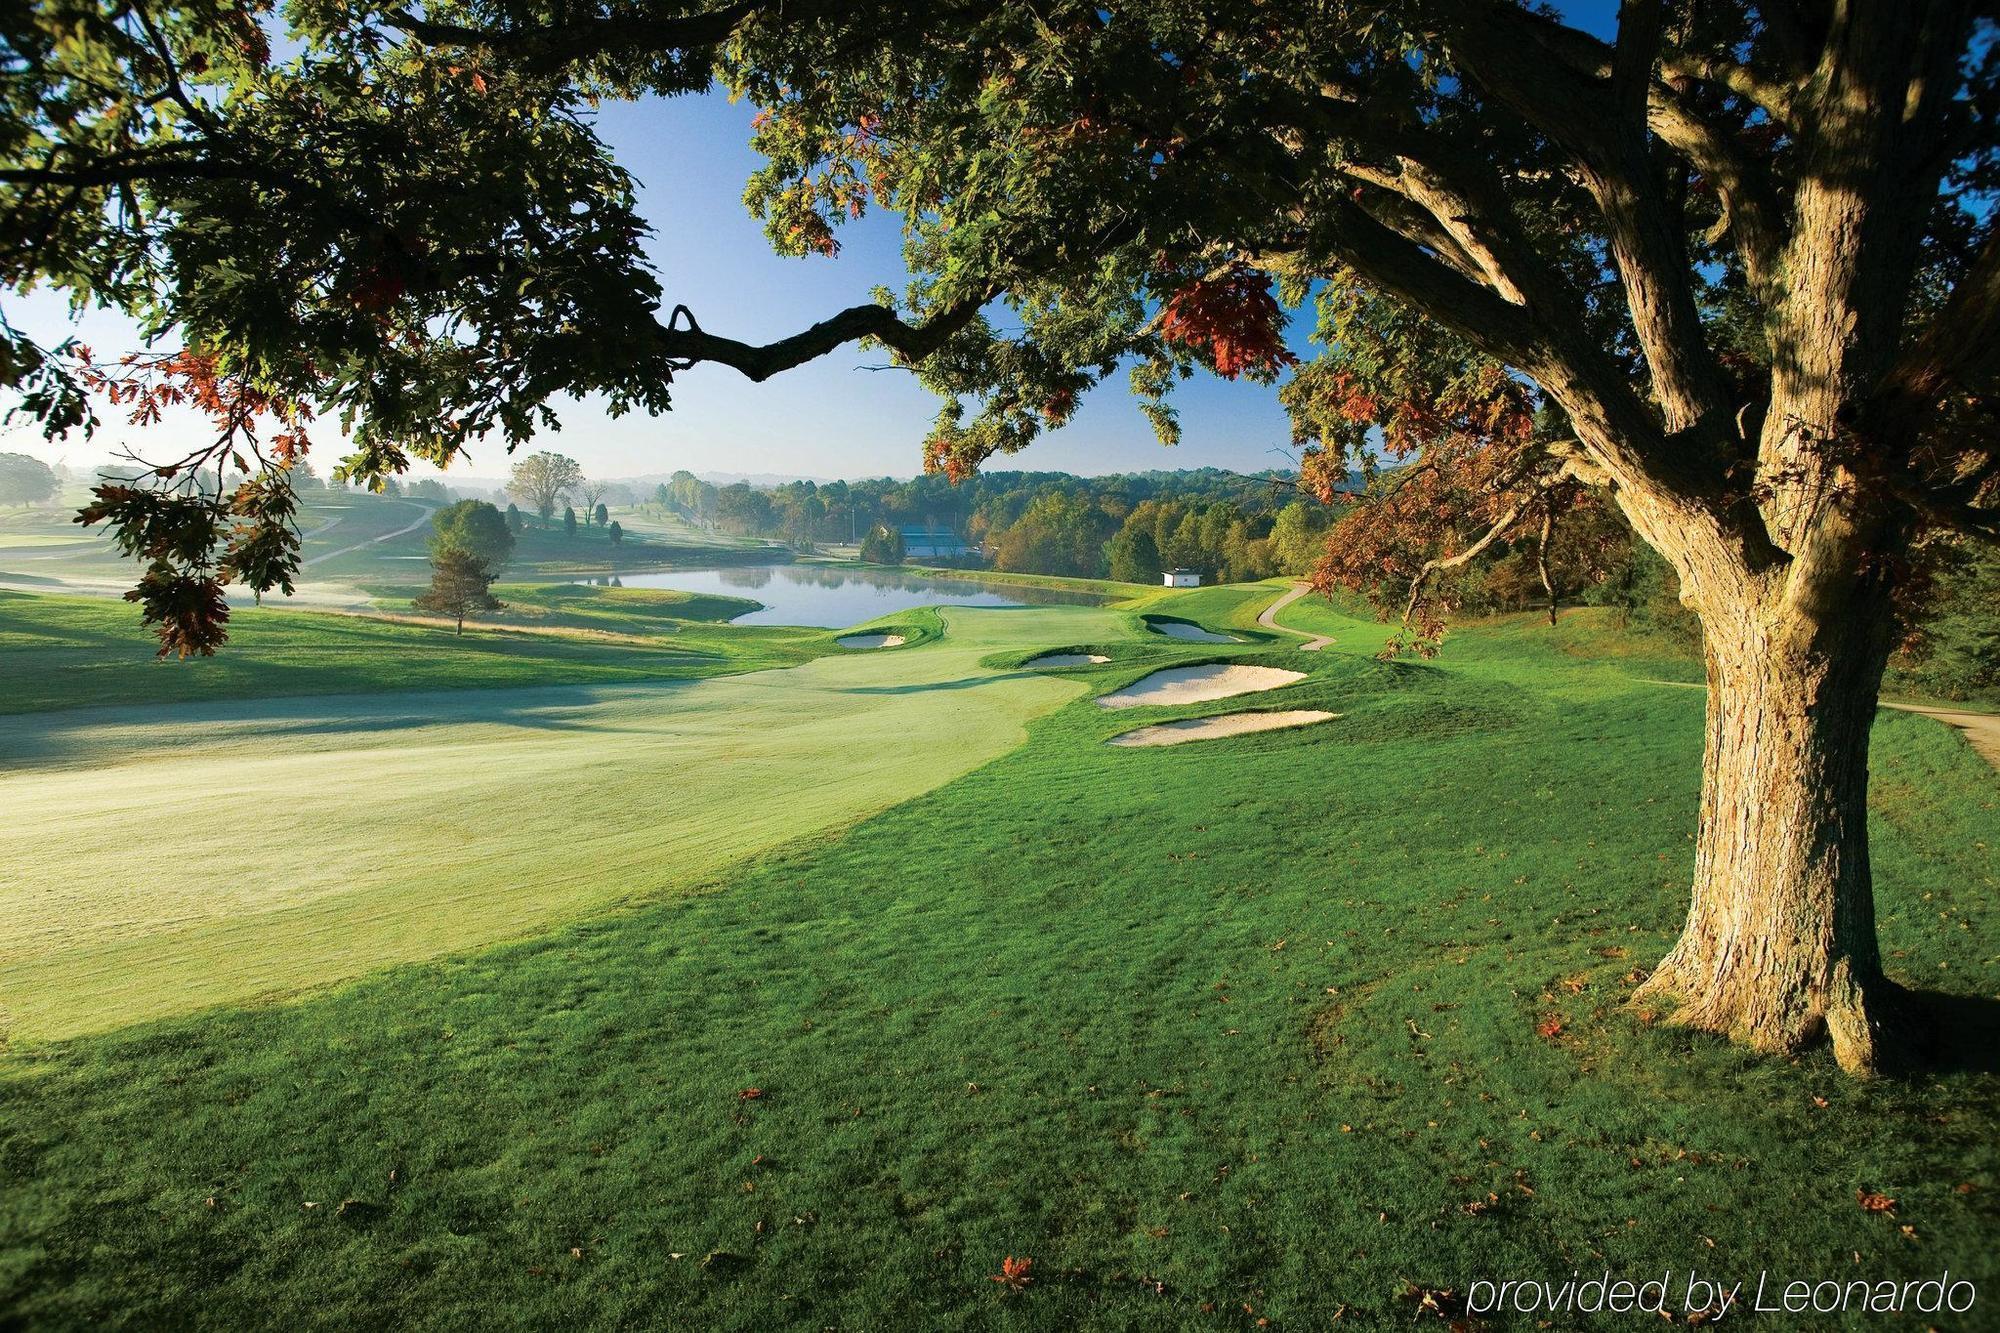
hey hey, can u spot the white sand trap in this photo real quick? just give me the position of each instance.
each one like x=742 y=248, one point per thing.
x=1180 y=629
x=1068 y=659
x=1199 y=684
x=1215 y=728
x=871 y=641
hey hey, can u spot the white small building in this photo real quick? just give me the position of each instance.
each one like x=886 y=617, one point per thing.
x=1181 y=578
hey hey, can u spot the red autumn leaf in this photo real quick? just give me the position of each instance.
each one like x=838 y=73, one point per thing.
x=1874 y=1202
x=750 y=1094
x=1550 y=1027
x=1232 y=322
x=1013 y=1273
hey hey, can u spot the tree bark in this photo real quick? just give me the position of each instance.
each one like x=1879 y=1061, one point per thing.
x=1779 y=949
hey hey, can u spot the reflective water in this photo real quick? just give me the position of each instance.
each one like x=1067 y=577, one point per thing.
x=834 y=598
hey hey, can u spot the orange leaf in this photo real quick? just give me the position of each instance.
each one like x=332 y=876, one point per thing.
x=1013 y=1273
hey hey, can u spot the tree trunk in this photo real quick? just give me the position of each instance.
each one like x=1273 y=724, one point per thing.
x=1779 y=948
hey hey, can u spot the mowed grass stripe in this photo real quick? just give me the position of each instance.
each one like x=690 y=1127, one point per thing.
x=160 y=860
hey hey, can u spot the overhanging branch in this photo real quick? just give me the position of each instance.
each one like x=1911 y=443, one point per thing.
x=1501 y=526
x=554 y=45
x=687 y=343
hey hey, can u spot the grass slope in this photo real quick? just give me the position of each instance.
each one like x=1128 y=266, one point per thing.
x=1269 y=1028
x=68 y=652
x=321 y=837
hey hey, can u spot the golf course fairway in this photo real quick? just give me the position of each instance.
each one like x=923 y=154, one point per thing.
x=182 y=856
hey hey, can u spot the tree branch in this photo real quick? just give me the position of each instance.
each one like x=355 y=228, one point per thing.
x=554 y=45
x=1960 y=348
x=1750 y=210
x=1440 y=564
x=1532 y=65
x=687 y=345
x=1542 y=554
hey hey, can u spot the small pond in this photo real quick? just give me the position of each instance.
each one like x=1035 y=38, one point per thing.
x=832 y=598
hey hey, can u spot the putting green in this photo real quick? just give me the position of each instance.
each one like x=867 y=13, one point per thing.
x=165 y=858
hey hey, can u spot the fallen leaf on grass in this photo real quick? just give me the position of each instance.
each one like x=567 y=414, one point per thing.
x=1872 y=1202
x=1013 y=1273
x=1441 y=1302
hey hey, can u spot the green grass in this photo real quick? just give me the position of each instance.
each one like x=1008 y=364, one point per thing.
x=1240 y=1030
x=419 y=823
x=70 y=652
x=670 y=528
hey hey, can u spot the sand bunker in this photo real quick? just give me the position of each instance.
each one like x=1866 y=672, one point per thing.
x=1068 y=659
x=1214 y=728
x=1199 y=684
x=871 y=641
x=1180 y=629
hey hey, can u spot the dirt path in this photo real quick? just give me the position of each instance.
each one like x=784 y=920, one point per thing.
x=1268 y=618
x=1982 y=730
x=423 y=518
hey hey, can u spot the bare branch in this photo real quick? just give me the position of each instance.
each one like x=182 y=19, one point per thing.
x=1750 y=210
x=688 y=344
x=1775 y=99
x=1542 y=553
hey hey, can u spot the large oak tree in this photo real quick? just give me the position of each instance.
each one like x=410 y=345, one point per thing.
x=1733 y=272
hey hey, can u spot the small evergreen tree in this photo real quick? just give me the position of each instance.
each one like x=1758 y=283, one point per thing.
x=603 y=515
x=569 y=521
x=617 y=533
x=460 y=583
x=514 y=519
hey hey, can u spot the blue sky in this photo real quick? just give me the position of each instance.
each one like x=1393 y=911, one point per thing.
x=830 y=418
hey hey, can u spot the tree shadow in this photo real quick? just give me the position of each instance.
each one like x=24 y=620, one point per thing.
x=955 y=683
x=1955 y=1034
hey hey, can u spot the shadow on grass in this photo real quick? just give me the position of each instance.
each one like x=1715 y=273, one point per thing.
x=955 y=683
x=1959 y=1034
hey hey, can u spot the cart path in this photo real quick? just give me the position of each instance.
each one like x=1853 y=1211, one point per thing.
x=1268 y=618
x=423 y=518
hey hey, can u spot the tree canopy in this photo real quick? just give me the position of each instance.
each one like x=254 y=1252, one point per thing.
x=475 y=527
x=544 y=480
x=25 y=480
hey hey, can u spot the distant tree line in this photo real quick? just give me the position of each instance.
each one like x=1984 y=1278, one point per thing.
x=1031 y=522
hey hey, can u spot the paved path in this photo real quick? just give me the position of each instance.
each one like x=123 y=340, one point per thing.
x=423 y=518
x=1269 y=620
x=1982 y=730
